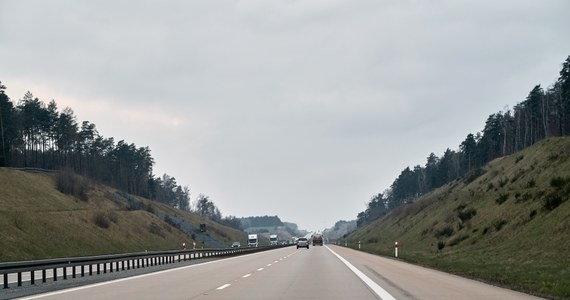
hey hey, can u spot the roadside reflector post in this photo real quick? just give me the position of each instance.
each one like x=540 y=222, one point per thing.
x=396 y=249
x=358 y=245
x=345 y=243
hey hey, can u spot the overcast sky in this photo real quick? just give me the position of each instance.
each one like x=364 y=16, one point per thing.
x=301 y=109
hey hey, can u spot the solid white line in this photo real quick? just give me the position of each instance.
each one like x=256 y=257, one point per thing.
x=223 y=286
x=246 y=276
x=369 y=282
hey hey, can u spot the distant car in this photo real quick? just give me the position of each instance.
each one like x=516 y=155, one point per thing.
x=236 y=245
x=302 y=242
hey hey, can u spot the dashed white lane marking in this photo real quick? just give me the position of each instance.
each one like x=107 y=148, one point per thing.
x=246 y=275
x=223 y=286
x=268 y=265
x=136 y=277
x=369 y=282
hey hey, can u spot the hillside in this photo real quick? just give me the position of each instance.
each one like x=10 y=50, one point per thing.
x=37 y=221
x=507 y=223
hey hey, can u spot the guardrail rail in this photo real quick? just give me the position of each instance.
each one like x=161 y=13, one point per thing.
x=89 y=265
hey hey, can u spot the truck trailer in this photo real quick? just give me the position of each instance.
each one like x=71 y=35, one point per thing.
x=252 y=240
x=317 y=239
x=273 y=240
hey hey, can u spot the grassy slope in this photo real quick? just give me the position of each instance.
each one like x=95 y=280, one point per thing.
x=37 y=221
x=517 y=243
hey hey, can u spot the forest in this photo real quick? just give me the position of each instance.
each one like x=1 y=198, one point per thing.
x=543 y=114
x=34 y=134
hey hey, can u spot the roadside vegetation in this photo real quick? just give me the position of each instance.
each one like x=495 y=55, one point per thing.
x=509 y=226
x=496 y=209
x=40 y=218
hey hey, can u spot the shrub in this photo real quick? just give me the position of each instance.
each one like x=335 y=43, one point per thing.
x=552 y=201
x=171 y=222
x=70 y=183
x=467 y=214
x=503 y=182
x=101 y=220
x=460 y=207
x=532 y=214
x=558 y=182
x=372 y=241
x=552 y=156
x=446 y=231
x=519 y=158
x=474 y=174
x=440 y=245
x=499 y=224
x=134 y=204
x=502 y=198
x=531 y=183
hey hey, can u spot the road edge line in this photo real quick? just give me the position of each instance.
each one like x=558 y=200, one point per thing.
x=377 y=289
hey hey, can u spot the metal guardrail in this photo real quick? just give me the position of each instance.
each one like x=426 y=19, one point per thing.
x=89 y=265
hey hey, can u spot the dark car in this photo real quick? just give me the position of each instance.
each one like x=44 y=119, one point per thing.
x=302 y=242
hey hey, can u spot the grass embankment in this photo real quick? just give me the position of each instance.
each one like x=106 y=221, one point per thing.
x=37 y=221
x=507 y=224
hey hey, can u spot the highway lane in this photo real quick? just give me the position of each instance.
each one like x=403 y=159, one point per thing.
x=285 y=273
x=288 y=273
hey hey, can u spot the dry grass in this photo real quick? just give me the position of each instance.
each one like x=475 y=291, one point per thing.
x=517 y=241
x=37 y=221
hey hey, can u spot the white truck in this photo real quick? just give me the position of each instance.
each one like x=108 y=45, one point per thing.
x=252 y=240
x=273 y=240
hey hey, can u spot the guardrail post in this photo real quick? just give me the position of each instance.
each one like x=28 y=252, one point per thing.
x=82 y=270
x=98 y=268
x=54 y=274
x=90 y=269
x=73 y=272
x=65 y=273
x=33 y=277
x=44 y=275
x=5 y=280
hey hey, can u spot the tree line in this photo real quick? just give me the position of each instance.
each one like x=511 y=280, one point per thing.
x=34 y=134
x=543 y=114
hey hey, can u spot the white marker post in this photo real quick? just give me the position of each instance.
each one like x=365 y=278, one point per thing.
x=358 y=245
x=396 y=249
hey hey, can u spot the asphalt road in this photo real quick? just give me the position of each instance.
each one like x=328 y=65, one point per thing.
x=288 y=273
